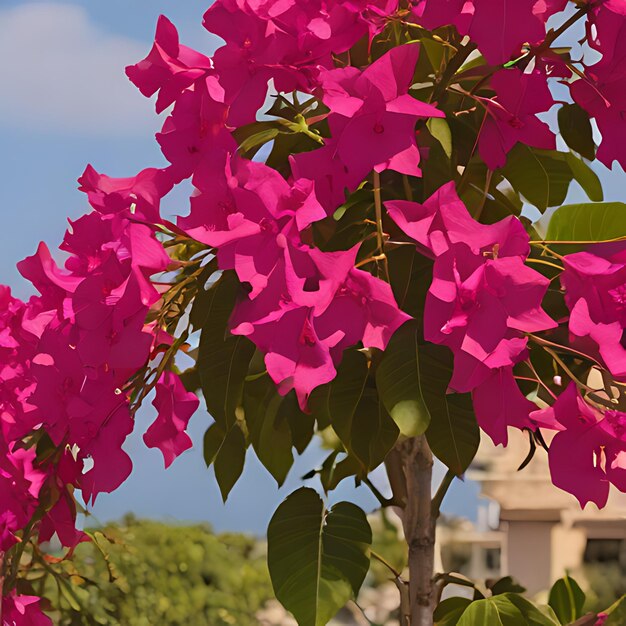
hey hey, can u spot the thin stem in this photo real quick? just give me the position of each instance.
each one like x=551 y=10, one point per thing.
x=548 y=250
x=371 y=259
x=575 y=243
x=389 y=566
x=378 y=207
x=555 y=34
x=384 y=502
x=545 y=342
x=542 y=262
x=567 y=370
x=538 y=378
x=483 y=198
x=380 y=233
x=408 y=192
x=448 y=479
x=454 y=65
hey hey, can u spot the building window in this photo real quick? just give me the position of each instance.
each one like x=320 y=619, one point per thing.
x=492 y=559
x=605 y=551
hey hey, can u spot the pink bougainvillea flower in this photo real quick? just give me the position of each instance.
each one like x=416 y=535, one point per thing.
x=175 y=406
x=444 y=220
x=19 y=489
x=23 y=611
x=111 y=464
x=170 y=68
x=499 y=403
x=511 y=116
x=373 y=117
x=139 y=196
x=195 y=129
x=295 y=355
x=60 y=520
x=254 y=219
x=599 y=276
x=286 y=42
x=475 y=304
x=433 y=14
x=365 y=309
x=589 y=452
x=601 y=95
x=331 y=176
x=303 y=328
x=518 y=22
x=51 y=282
x=598 y=340
x=480 y=307
x=601 y=91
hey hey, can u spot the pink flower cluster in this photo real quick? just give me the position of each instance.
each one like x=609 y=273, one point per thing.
x=600 y=92
x=517 y=23
x=482 y=301
x=67 y=355
x=65 y=359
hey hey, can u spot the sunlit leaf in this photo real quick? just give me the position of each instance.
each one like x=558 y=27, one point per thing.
x=317 y=558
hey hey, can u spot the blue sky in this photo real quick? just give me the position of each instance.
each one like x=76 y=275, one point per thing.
x=65 y=102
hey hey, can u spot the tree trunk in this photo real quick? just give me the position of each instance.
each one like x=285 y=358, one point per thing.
x=419 y=529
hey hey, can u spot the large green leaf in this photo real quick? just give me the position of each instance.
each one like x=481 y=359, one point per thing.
x=533 y=615
x=450 y=610
x=586 y=178
x=481 y=613
x=440 y=130
x=453 y=433
x=399 y=382
x=567 y=600
x=226 y=450
x=317 y=558
x=223 y=359
x=576 y=130
x=268 y=428
x=505 y=610
x=345 y=393
x=543 y=177
x=588 y=222
x=373 y=431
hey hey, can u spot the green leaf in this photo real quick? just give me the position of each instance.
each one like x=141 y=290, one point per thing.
x=481 y=613
x=453 y=433
x=227 y=452
x=576 y=130
x=533 y=615
x=543 y=177
x=567 y=599
x=505 y=585
x=373 y=432
x=345 y=394
x=588 y=222
x=317 y=558
x=440 y=130
x=268 y=429
x=301 y=424
x=223 y=359
x=450 y=610
x=399 y=383
x=586 y=178
x=333 y=475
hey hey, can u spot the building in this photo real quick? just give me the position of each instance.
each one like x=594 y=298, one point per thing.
x=531 y=530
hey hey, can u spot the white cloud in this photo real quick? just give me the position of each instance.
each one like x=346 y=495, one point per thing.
x=60 y=73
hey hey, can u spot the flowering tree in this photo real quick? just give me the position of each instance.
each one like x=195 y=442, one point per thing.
x=358 y=263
